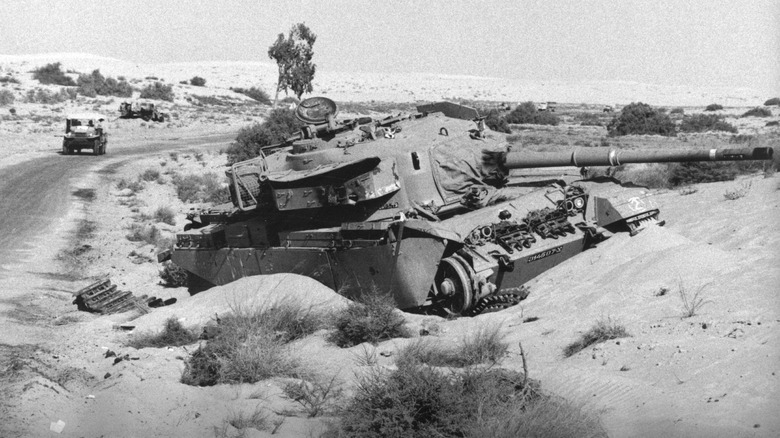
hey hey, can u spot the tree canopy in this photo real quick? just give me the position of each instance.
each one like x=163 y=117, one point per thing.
x=293 y=56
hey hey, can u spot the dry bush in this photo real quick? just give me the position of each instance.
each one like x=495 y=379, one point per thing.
x=95 y=84
x=693 y=173
x=758 y=112
x=526 y=112
x=641 y=119
x=158 y=91
x=174 y=334
x=317 y=395
x=52 y=74
x=47 y=97
x=589 y=119
x=495 y=122
x=134 y=186
x=277 y=127
x=8 y=79
x=713 y=107
x=143 y=233
x=603 y=330
x=677 y=110
x=165 y=215
x=198 y=81
x=486 y=345
x=149 y=175
x=422 y=401
x=372 y=318
x=6 y=97
x=173 y=275
x=200 y=188
x=251 y=344
x=255 y=93
x=706 y=122
x=772 y=101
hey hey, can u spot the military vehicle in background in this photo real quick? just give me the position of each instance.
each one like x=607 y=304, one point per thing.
x=84 y=131
x=429 y=207
x=145 y=110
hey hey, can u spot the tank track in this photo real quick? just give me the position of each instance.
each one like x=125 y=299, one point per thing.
x=494 y=303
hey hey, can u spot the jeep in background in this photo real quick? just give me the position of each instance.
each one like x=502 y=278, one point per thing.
x=84 y=131
x=144 y=110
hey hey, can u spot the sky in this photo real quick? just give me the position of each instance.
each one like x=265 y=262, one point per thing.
x=684 y=42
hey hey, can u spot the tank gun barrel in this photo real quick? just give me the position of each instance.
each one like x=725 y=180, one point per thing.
x=582 y=157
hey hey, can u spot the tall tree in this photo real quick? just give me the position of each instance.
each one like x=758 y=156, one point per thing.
x=293 y=57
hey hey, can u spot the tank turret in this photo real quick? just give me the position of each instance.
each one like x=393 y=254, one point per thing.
x=417 y=206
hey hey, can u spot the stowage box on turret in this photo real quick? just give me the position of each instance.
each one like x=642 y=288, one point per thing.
x=420 y=206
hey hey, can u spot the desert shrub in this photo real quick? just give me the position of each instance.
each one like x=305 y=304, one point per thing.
x=280 y=124
x=95 y=83
x=8 y=80
x=526 y=112
x=758 y=112
x=173 y=275
x=197 y=81
x=706 y=122
x=52 y=74
x=251 y=344
x=316 y=394
x=165 y=215
x=6 y=97
x=200 y=188
x=173 y=334
x=372 y=318
x=143 y=233
x=210 y=100
x=640 y=119
x=40 y=95
x=150 y=175
x=290 y=99
x=772 y=101
x=588 y=119
x=134 y=186
x=713 y=107
x=494 y=121
x=701 y=172
x=677 y=110
x=158 y=91
x=773 y=123
x=482 y=346
x=421 y=401
x=255 y=93
x=603 y=330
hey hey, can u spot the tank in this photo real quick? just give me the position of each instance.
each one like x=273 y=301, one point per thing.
x=430 y=207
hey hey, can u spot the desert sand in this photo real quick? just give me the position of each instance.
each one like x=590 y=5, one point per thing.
x=711 y=374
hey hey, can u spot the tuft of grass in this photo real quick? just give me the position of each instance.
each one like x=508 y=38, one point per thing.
x=240 y=420
x=173 y=275
x=740 y=192
x=603 y=330
x=372 y=318
x=316 y=395
x=486 y=345
x=251 y=345
x=173 y=334
x=691 y=302
x=165 y=215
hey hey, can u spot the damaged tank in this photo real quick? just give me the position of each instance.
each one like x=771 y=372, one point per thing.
x=430 y=207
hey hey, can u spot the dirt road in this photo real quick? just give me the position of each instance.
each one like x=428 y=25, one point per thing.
x=36 y=193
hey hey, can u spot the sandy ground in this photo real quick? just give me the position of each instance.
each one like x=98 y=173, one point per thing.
x=712 y=374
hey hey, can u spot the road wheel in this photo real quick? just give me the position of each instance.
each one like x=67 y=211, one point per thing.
x=453 y=282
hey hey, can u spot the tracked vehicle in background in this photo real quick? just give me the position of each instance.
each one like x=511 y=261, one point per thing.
x=427 y=207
